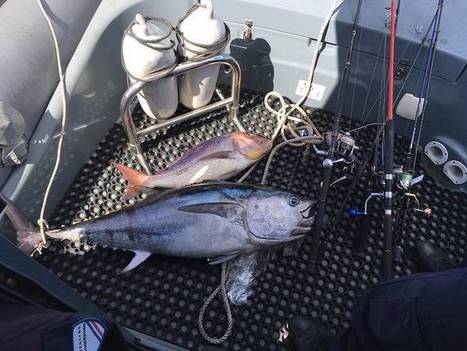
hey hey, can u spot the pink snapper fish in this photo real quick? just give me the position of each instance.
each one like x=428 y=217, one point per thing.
x=217 y=159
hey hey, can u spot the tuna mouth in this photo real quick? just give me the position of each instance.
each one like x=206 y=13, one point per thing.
x=307 y=212
x=305 y=225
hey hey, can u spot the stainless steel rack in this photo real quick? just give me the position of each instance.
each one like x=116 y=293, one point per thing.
x=231 y=102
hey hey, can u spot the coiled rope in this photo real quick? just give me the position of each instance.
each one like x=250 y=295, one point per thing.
x=220 y=289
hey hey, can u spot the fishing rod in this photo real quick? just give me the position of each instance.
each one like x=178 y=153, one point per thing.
x=328 y=162
x=365 y=221
x=363 y=231
x=424 y=88
x=406 y=178
x=389 y=152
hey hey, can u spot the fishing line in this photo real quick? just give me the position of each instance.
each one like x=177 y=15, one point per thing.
x=423 y=92
x=422 y=117
x=375 y=66
x=365 y=126
x=411 y=67
x=41 y=221
x=274 y=151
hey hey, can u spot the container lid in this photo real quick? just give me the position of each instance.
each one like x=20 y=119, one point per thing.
x=150 y=30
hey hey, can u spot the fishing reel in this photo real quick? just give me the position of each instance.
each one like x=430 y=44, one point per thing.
x=354 y=212
x=406 y=180
x=411 y=197
x=344 y=149
x=345 y=144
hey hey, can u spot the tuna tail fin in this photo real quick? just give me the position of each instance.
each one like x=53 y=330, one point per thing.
x=135 y=180
x=28 y=235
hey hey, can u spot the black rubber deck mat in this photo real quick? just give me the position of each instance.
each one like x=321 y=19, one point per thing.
x=162 y=297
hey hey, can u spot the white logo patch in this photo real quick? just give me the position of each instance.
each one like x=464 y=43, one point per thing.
x=88 y=334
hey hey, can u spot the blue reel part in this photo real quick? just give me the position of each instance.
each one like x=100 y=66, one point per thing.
x=353 y=212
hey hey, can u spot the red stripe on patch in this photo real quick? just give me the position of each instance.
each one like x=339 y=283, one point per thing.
x=98 y=328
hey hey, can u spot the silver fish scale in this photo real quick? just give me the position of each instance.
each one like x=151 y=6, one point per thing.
x=162 y=297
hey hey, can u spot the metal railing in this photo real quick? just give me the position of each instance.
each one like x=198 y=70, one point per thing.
x=231 y=102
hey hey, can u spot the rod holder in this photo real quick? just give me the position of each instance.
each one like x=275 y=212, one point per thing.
x=231 y=103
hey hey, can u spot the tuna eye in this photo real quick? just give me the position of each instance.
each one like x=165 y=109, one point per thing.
x=294 y=201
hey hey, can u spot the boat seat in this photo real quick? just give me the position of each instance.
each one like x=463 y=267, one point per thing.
x=28 y=69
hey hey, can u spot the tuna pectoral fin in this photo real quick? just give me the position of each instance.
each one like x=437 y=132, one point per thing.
x=135 y=190
x=140 y=257
x=130 y=193
x=229 y=210
x=223 y=258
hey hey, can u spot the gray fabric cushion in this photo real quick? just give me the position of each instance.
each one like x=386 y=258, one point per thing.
x=28 y=70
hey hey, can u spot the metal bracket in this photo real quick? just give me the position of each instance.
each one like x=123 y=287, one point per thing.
x=231 y=102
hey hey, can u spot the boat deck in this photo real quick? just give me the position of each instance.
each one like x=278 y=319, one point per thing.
x=163 y=296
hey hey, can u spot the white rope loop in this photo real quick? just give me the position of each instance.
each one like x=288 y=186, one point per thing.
x=41 y=221
x=223 y=294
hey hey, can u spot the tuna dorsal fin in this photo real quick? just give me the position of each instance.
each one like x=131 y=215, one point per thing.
x=140 y=257
x=229 y=210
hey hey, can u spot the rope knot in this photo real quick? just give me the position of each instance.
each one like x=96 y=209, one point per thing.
x=43 y=223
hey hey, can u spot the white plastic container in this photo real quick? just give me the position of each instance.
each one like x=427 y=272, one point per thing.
x=201 y=31
x=146 y=48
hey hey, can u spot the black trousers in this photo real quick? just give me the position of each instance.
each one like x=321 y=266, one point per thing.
x=31 y=328
x=426 y=311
